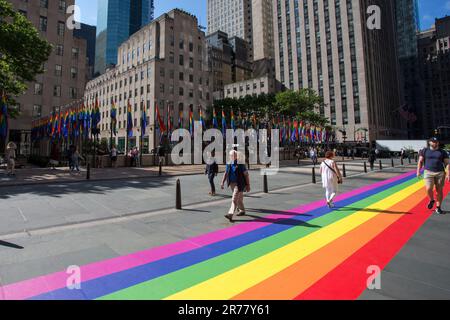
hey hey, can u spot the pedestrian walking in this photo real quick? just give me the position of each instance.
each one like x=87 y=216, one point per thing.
x=76 y=160
x=331 y=177
x=113 y=155
x=435 y=160
x=313 y=156
x=237 y=178
x=372 y=159
x=211 y=170
x=11 y=158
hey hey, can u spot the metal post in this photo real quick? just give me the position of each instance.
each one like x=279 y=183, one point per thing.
x=88 y=172
x=314 y=176
x=402 y=162
x=381 y=165
x=178 y=195
x=160 y=167
x=344 y=171
x=392 y=161
x=365 y=167
x=266 y=187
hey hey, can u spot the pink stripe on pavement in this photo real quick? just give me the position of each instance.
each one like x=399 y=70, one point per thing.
x=36 y=286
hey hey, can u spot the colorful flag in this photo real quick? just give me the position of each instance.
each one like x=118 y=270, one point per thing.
x=191 y=121
x=233 y=124
x=224 y=123
x=129 y=120
x=215 y=122
x=201 y=117
x=144 y=121
x=162 y=127
x=114 y=119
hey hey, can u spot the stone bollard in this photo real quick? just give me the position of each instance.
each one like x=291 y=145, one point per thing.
x=178 y=196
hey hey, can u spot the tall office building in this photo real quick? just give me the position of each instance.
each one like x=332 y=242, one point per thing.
x=116 y=21
x=164 y=65
x=250 y=20
x=88 y=33
x=408 y=25
x=434 y=61
x=327 y=46
x=262 y=24
x=64 y=79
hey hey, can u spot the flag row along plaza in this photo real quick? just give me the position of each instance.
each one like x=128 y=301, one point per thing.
x=307 y=252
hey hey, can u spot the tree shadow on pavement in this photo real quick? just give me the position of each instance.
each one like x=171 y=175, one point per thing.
x=59 y=189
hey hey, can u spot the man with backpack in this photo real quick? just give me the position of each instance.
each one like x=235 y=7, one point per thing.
x=435 y=160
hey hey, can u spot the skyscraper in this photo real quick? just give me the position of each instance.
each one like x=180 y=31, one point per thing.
x=250 y=20
x=327 y=46
x=408 y=25
x=116 y=21
x=434 y=62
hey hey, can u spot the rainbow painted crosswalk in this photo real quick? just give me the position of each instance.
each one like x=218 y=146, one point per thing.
x=310 y=252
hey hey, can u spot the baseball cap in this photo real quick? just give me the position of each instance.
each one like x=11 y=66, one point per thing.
x=433 y=139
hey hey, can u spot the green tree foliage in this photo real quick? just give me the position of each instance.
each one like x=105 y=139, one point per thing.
x=22 y=52
x=291 y=104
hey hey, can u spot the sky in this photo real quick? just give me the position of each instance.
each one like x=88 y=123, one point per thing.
x=428 y=10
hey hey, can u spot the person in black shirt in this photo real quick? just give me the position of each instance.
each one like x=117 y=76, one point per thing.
x=435 y=161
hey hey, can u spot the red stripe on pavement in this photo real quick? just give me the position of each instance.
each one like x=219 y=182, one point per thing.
x=349 y=280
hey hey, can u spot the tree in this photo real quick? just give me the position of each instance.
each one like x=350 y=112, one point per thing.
x=22 y=52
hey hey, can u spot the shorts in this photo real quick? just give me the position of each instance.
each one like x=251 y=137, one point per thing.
x=434 y=179
x=113 y=159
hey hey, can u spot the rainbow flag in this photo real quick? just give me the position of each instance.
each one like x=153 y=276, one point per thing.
x=309 y=252
x=144 y=122
x=129 y=120
x=3 y=117
x=224 y=124
x=233 y=124
x=161 y=125
x=201 y=117
x=114 y=118
x=191 y=121
x=214 y=120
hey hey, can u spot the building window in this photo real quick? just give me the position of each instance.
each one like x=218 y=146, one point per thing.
x=61 y=28
x=181 y=91
x=44 y=3
x=59 y=50
x=74 y=72
x=75 y=53
x=181 y=60
x=43 y=24
x=58 y=70
x=62 y=6
x=181 y=76
x=38 y=88
x=37 y=111
x=73 y=93
x=57 y=91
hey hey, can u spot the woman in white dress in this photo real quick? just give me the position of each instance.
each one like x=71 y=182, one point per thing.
x=331 y=177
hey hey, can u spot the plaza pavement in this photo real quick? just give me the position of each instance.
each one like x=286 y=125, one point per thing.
x=46 y=228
